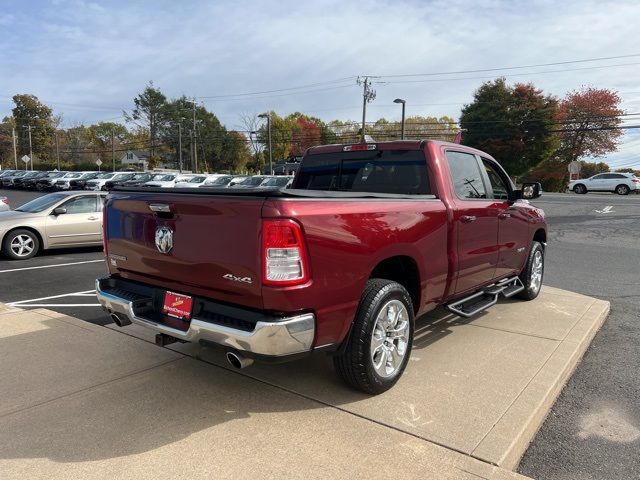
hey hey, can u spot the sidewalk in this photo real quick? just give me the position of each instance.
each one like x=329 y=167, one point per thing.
x=83 y=401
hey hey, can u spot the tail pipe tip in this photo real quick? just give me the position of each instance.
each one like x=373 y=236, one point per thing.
x=237 y=360
x=120 y=320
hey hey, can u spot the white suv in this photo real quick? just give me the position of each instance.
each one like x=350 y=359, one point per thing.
x=620 y=183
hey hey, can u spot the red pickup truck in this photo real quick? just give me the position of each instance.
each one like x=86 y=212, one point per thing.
x=369 y=237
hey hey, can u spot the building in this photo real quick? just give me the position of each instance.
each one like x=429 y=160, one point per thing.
x=135 y=159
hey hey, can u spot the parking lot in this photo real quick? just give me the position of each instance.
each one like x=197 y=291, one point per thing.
x=593 y=250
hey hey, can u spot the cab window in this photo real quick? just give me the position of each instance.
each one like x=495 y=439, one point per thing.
x=498 y=183
x=466 y=175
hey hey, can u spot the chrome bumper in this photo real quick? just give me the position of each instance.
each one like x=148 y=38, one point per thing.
x=286 y=336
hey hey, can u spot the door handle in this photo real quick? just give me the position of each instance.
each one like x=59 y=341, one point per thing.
x=468 y=218
x=92 y=218
x=504 y=215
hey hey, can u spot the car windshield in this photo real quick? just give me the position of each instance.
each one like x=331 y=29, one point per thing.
x=89 y=176
x=163 y=178
x=122 y=176
x=276 y=182
x=251 y=181
x=197 y=179
x=104 y=176
x=55 y=174
x=31 y=174
x=19 y=174
x=142 y=177
x=72 y=175
x=218 y=181
x=41 y=203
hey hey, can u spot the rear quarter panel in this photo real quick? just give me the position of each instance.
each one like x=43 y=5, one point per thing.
x=346 y=239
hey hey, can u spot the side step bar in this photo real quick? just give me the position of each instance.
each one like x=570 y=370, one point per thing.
x=473 y=304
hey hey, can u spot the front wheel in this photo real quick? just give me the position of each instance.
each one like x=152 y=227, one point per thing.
x=533 y=272
x=580 y=189
x=20 y=244
x=378 y=349
x=622 y=190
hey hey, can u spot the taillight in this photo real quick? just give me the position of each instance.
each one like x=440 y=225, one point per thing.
x=284 y=255
x=636 y=180
x=358 y=147
x=104 y=230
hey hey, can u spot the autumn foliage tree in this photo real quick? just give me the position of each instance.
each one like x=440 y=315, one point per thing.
x=306 y=133
x=588 y=121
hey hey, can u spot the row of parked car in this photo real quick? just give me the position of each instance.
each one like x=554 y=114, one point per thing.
x=49 y=181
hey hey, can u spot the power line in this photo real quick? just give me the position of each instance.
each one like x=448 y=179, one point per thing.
x=246 y=94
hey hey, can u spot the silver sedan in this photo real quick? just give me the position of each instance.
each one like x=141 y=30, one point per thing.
x=57 y=220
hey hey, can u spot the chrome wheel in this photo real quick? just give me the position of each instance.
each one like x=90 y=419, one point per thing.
x=537 y=266
x=390 y=338
x=22 y=245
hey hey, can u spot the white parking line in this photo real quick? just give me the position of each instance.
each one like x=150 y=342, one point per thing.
x=50 y=266
x=21 y=303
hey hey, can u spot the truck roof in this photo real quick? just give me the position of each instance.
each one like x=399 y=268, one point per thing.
x=392 y=145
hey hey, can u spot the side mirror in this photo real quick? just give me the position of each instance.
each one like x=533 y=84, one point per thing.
x=59 y=211
x=529 y=191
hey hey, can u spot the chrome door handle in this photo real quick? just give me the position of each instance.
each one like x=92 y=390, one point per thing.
x=468 y=218
x=503 y=215
x=92 y=218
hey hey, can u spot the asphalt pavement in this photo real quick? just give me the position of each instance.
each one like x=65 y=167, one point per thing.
x=593 y=430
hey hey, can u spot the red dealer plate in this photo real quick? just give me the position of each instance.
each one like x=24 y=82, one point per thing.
x=176 y=305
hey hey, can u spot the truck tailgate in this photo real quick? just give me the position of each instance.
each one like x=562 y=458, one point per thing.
x=215 y=239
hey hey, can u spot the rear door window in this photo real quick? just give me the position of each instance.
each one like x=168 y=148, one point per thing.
x=465 y=175
x=383 y=171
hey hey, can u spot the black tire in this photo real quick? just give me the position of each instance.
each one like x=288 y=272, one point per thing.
x=622 y=189
x=532 y=287
x=580 y=189
x=355 y=365
x=32 y=243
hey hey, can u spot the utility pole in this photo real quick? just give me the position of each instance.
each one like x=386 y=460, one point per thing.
x=403 y=102
x=57 y=150
x=15 y=151
x=180 y=146
x=268 y=117
x=195 y=140
x=113 y=150
x=191 y=148
x=367 y=96
x=30 y=149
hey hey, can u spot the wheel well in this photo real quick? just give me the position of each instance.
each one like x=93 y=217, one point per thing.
x=621 y=185
x=540 y=236
x=32 y=230
x=403 y=270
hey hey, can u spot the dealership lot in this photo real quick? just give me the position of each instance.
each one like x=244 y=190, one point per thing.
x=593 y=250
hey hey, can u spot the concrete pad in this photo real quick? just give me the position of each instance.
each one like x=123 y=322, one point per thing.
x=482 y=387
x=188 y=419
x=44 y=357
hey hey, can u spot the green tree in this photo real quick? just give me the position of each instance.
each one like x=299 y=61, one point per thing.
x=30 y=112
x=149 y=112
x=101 y=136
x=515 y=124
x=589 y=169
x=6 y=143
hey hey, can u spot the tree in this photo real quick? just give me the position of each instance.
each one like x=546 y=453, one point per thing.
x=513 y=124
x=30 y=112
x=101 y=136
x=305 y=133
x=6 y=143
x=416 y=127
x=589 y=169
x=149 y=113
x=281 y=136
x=588 y=121
x=236 y=153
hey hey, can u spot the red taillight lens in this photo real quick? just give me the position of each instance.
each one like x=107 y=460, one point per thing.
x=284 y=254
x=636 y=180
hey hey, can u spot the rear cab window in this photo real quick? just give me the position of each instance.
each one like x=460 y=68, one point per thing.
x=372 y=171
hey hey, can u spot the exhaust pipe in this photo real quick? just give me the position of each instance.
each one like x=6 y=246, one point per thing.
x=120 y=320
x=238 y=360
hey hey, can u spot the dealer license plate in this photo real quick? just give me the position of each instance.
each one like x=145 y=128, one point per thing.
x=177 y=305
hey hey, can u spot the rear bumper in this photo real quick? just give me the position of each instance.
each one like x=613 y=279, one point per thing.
x=270 y=336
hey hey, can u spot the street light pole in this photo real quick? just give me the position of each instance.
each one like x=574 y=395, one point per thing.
x=180 y=146
x=268 y=117
x=15 y=151
x=57 y=151
x=403 y=102
x=113 y=150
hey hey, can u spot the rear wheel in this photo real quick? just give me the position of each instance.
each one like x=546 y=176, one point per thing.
x=580 y=189
x=622 y=189
x=379 y=346
x=20 y=244
x=533 y=272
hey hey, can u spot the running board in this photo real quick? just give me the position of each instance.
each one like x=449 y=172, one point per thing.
x=473 y=304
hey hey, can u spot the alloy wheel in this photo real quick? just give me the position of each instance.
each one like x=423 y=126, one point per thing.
x=390 y=338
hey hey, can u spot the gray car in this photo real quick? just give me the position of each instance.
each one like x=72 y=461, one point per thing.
x=57 y=220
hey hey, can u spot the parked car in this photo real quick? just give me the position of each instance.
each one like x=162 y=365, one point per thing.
x=280 y=182
x=136 y=179
x=193 y=182
x=369 y=237
x=80 y=183
x=100 y=182
x=4 y=173
x=8 y=181
x=56 y=220
x=64 y=183
x=168 y=180
x=29 y=182
x=47 y=182
x=4 y=204
x=220 y=181
x=620 y=183
x=32 y=175
x=250 y=182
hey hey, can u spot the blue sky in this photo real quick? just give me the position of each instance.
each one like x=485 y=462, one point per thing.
x=89 y=59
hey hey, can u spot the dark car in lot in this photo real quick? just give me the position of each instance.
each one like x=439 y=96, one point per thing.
x=28 y=182
x=47 y=182
x=8 y=180
x=81 y=182
x=132 y=180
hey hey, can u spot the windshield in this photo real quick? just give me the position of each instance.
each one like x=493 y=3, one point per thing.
x=197 y=179
x=41 y=203
x=122 y=176
x=276 y=182
x=142 y=177
x=19 y=174
x=72 y=175
x=219 y=181
x=252 y=181
x=31 y=174
x=104 y=176
x=89 y=176
x=163 y=178
x=55 y=174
